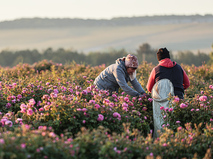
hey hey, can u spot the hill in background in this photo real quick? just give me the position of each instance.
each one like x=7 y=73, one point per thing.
x=177 y=33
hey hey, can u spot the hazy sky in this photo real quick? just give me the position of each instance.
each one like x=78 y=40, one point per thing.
x=97 y=9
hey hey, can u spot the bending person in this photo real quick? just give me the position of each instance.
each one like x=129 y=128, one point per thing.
x=118 y=75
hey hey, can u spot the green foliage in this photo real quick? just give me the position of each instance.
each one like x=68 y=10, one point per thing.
x=191 y=58
x=62 y=56
x=211 y=57
x=24 y=142
x=27 y=142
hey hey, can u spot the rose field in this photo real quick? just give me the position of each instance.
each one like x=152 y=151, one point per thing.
x=52 y=111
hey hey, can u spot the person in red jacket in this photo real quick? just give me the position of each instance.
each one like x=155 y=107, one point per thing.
x=167 y=69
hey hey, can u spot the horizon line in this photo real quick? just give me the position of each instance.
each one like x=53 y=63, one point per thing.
x=115 y=17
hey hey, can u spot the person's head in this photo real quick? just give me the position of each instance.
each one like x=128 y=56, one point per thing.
x=131 y=63
x=162 y=54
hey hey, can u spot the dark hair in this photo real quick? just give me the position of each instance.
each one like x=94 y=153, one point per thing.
x=162 y=54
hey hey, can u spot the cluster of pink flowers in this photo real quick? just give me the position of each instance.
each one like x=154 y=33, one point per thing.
x=13 y=99
x=176 y=100
x=125 y=106
x=203 y=98
x=166 y=109
x=183 y=105
x=117 y=115
x=27 y=109
x=119 y=151
x=170 y=109
x=6 y=122
x=19 y=120
x=2 y=141
x=150 y=99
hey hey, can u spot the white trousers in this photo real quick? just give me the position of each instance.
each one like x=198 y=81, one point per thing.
x=160 y=93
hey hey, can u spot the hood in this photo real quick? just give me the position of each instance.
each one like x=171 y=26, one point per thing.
x=167 y=63
x=121 y=62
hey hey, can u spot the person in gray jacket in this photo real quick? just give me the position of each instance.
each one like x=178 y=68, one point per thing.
x=118 y=75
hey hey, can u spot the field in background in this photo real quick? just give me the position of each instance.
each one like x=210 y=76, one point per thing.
x=176 y=37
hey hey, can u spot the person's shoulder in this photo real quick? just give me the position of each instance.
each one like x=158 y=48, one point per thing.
x=156 y=67
x=120 y=67
x=120 y=64
x=178 y=65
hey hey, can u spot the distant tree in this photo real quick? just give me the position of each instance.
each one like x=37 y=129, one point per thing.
x=201 y=58
x=190 y=58
x=6 y=58
x=18 y=60
x=47 y=54
x=211 y=57
x=143 y=50
x=26 y=56
x=109 y=57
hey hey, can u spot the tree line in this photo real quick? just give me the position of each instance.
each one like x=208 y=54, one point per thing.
x=145 y=52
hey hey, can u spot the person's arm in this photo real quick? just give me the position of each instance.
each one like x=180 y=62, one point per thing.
x=137 y=86
x=186 y=82
x=119 y=75
x=151 y=81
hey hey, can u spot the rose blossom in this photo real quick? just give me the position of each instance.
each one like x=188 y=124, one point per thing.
x=176 y=100
x=30 y=112
x=203 y=98
x=182 y=105
x=100 y=117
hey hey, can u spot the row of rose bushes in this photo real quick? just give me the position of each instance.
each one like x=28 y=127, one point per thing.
x=67 y=100
x=74 y=111
x=25 y=142
x=84 y=108
x=70 y=89
x=63 y=98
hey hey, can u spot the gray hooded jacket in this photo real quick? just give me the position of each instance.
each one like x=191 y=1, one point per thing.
x=115 y=76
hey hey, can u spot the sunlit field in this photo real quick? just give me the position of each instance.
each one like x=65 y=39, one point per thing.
x=50 y=110
x=176 y=37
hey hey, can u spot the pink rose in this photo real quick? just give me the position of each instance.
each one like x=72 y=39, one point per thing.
x=176 y=100
x=115 y=115
x=150 y=99
x=97 y=106
x=124 y=104
x=179 y=128
x=203 y=98
x=9 y=123
x=161 y=108
x=100 y=117
x=170 y=109
x=30 y=112
x=182 y=105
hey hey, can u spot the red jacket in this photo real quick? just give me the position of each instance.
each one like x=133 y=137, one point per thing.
x=166 y=63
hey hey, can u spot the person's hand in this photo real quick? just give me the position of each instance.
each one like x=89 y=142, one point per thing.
x=148 y=96
x=141 y=96
x=144 y=95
